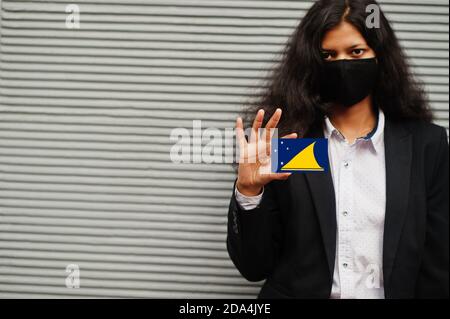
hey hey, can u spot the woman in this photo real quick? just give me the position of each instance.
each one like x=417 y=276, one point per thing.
x=375 y=225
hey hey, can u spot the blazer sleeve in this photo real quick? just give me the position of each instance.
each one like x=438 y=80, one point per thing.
x=253 y=236
x=433 y=280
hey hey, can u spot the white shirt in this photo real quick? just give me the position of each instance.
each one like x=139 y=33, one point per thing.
x=359 y=177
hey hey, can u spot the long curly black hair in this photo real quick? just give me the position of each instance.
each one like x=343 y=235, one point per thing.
x=293 y=85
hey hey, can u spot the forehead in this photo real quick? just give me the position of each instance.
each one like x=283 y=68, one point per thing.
x=342 y=37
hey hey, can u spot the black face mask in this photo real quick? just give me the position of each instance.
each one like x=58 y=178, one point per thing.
x=347 y=82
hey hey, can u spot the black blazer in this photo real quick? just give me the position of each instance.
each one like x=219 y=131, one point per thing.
x=290 y=238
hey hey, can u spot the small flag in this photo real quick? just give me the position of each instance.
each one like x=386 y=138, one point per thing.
x=301 y=155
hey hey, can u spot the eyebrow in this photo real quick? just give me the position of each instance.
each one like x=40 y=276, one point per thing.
x=352 y=47
x=356 y=45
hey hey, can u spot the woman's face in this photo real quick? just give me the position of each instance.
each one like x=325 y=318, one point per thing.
x=344 y=42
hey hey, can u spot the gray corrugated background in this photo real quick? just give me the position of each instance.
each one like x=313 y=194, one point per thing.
x=85 y=118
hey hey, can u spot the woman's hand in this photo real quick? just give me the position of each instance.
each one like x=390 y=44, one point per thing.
x=254 y=164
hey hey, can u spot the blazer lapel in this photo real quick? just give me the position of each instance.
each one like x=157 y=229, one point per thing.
x=322 y=190
x=398 y=154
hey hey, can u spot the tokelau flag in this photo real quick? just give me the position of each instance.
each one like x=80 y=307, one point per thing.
x=299 y=155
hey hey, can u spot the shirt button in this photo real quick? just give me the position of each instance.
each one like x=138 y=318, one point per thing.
x=345 y=265
x=346 y=164
x=345 y=214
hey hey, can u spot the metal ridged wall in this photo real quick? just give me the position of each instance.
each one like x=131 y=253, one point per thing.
x=85 y=119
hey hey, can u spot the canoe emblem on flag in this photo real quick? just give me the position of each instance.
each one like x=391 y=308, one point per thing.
x=299 y=155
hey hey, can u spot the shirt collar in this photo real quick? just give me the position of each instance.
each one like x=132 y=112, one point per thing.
x=375 y=136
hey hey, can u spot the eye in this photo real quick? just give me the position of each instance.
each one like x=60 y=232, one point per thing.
x=327 y=55
x=358 y=52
